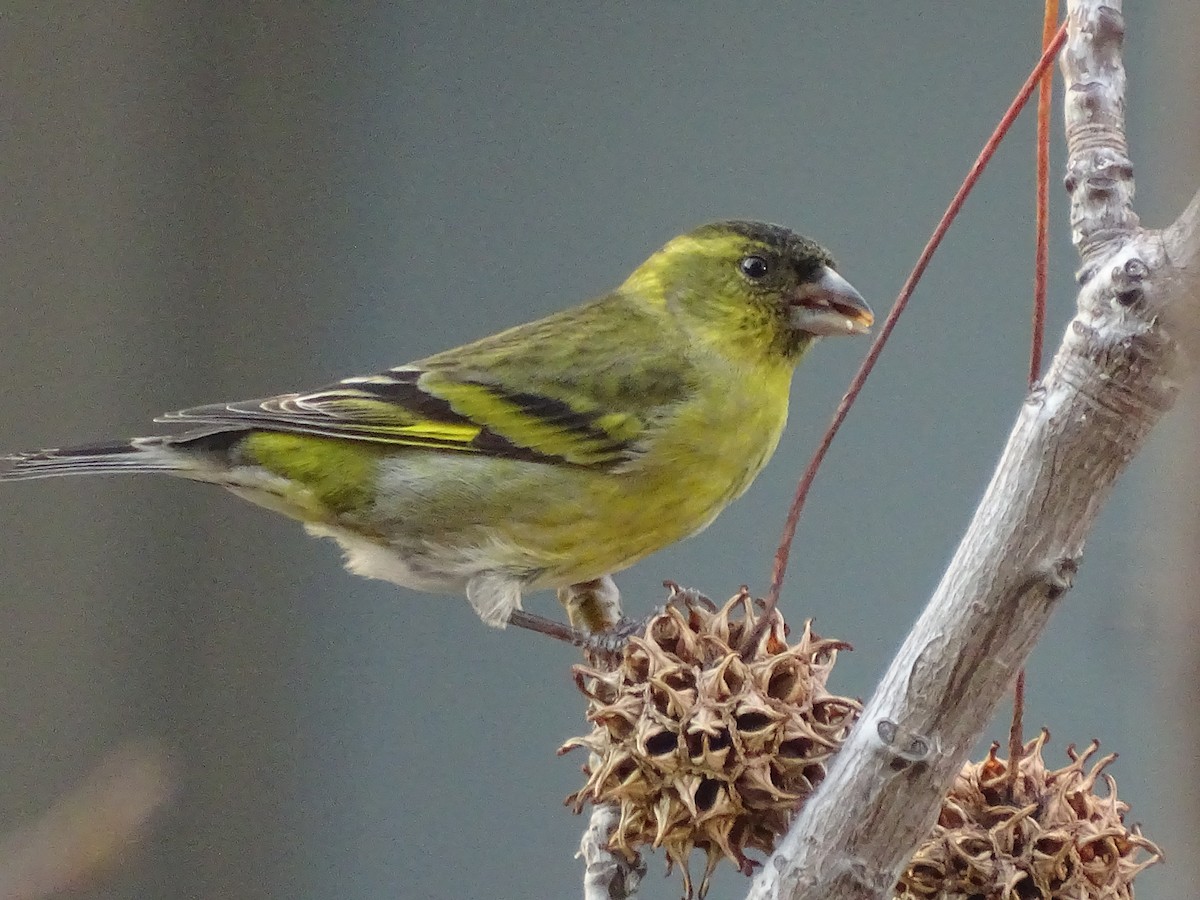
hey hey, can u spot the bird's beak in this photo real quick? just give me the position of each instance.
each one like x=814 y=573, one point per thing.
x=829 y=305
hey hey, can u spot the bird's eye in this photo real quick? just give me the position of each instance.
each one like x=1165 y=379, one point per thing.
x=754 y=267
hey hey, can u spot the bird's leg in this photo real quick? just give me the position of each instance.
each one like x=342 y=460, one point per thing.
x=597 y=626
x=593 y=606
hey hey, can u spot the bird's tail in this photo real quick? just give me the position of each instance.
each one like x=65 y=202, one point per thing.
x=145 y=454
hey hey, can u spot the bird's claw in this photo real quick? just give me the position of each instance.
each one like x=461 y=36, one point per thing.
x=607 y=647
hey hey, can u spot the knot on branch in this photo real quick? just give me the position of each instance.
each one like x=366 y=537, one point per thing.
x=1059 y=576
x=1123 y=357
x=1128 y=279
x=905 y=746
x=1102 y=169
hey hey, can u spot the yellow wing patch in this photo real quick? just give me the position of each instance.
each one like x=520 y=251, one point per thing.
x=550 y=426
x=410 y=407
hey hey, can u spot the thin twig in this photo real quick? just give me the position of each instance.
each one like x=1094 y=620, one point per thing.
x=606 y=876
x=1041 y=260
x=549 y=627
x=1016 y=730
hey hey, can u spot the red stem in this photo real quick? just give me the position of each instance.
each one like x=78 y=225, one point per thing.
x=779 y=569
x=1041 y=262
x=1041 y=266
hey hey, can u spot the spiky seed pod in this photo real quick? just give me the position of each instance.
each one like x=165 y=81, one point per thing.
x=1047 y=835
x=703 y=746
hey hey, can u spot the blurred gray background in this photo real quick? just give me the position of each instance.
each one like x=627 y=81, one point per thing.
x=218 y=201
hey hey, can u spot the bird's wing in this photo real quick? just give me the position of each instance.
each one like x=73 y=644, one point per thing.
x=563 y=420
x=581 y=387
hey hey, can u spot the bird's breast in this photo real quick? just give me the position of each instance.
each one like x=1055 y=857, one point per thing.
x=711 y=449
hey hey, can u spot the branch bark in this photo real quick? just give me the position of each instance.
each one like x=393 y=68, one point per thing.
x=606 y=875
x=1111 y=380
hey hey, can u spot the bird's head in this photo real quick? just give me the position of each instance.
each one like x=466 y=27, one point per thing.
x=748 y=287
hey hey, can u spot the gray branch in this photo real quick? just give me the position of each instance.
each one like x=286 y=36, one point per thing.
x=1112 y=378
x=606 y=876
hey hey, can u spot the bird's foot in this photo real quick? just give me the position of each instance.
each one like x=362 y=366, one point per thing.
x=604 y=648
x=607 y=647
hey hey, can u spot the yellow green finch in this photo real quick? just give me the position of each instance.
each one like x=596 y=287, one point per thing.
x=549 y=455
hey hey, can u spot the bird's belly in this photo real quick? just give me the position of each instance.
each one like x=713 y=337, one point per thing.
x=372 y=558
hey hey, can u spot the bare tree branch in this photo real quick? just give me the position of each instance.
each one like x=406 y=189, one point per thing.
x=1109 y=383
x=606 y=876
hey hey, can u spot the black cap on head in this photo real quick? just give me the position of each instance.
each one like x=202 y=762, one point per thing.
x=785 y=241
